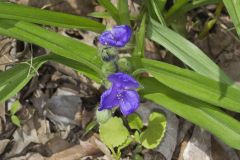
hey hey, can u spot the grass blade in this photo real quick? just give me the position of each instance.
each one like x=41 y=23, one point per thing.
x=56 y=43
x=140 y=39
x=123 y=12
x=178 y=11
x=14 y=79
x=190 y=55
x=107 y=4
x=202 y=114
x=39 y=16
x=233 y=7
x=195 y=85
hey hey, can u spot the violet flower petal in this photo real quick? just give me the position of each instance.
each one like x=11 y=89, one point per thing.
x=108 y=99
x=122 y=80
x=117 y=37
x=129 y=102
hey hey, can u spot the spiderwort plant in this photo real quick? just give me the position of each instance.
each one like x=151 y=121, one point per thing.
x=123 y=92
x=168 y=86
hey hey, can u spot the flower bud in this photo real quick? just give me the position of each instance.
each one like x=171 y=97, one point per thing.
x=108 y=68
x=124 y=65
x=108 y=54
x=103 y=116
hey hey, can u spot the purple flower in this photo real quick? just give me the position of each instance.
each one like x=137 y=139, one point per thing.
x=122 y=93
x=118 y=36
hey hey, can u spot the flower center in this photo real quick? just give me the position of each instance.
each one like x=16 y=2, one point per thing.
x=120 y=97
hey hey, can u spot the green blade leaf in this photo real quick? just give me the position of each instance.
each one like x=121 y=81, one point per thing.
x=107 y=15
x=14 y=79
x=76 y=66
x=111 y=9
x=233 y=8
x=190 y=55
x=152 y=136
x=39 y=16
x=202 y=114
x=195 y=85
x=140 y=39
x=63 y=46
x=160 y=4
x=178 y=11
x=176 y=7
x=123 y=12
x=158 y=12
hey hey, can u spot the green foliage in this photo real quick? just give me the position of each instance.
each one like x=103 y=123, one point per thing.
x=39 y=16
x=124 y=65
x=137 y=137
x=190 y=55
x=112 y=10
x=177 y=10
x=135 y=121
x=195 y=85
x=137 y=157
x=61 y=45
x=108 y=68
x=90 y=126
x=233 y=8
x=113 y=133
x=103 y=116
x=140 y=39
x=123 y=12
x=200 y=113
x=15 y=120
x=14 y=79
x=155 y=8
x=176 y=7
x=151 y=137
x=160 y=4
x=120 y=14
x=15 y=107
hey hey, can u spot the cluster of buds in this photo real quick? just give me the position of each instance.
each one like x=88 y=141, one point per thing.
x=111 y=41
x=122 y=91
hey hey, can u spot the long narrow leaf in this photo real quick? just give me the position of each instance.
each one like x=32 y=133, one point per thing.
x=111 y=9
x=140 y=39
x=56 y=43
x=155 y=5
x=233 y=7
x=39 y=16
x=76 y=66
x=195 y=85
x=204 y=115
x=123 y=12
x=14 y=79
x=170 y=15
x=186 y=52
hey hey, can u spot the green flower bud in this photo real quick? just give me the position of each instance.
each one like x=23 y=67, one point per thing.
x=124 y=65
x=108 y=54
x=103 y=116
x=109 y=68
